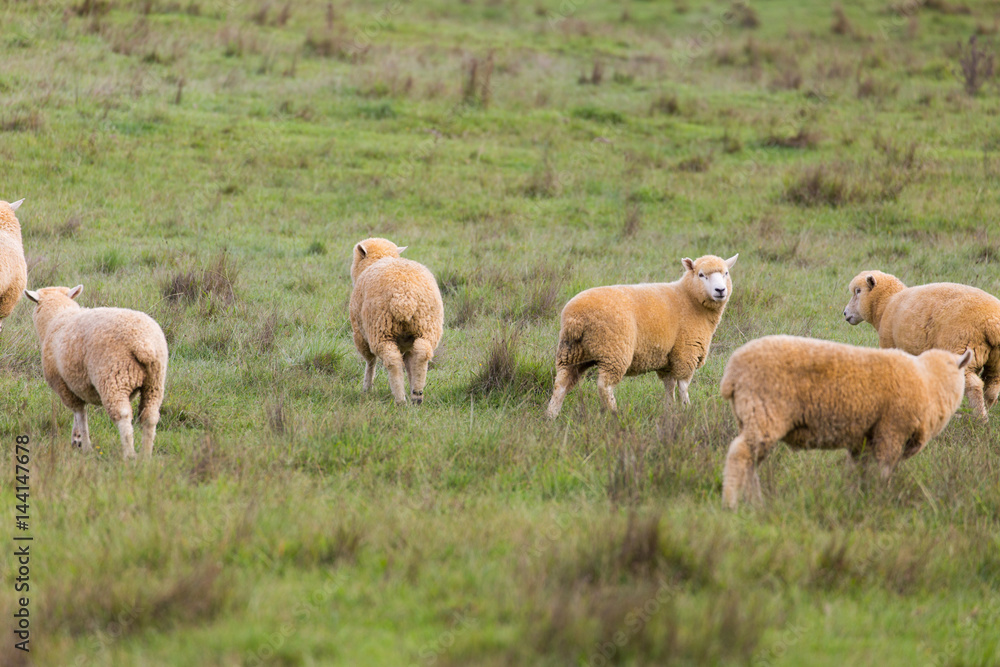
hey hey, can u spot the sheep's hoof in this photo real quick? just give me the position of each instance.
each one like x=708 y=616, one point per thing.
x=417 y=397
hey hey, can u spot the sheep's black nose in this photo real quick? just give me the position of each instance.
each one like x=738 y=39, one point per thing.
x=720 y=290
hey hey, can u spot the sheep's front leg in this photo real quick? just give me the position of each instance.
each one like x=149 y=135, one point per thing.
x=81 y=432
x=669 y=385
x=684 y=384
x=887 y=448
x=366 y=384
x=607 y=379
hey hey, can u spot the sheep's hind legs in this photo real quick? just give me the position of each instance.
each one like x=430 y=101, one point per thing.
x=392 y=359
x=739 y=477
x=121 y=415
x=991 y=391
x=148 y=418
x=566 y=379
x=974 y=392
x=417 y=360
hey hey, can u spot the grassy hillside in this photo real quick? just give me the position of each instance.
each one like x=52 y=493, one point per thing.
x=213 y=163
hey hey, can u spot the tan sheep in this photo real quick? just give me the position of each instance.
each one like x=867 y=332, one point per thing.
x=815 y=394
x=13 y=270
x=635 y=329
x=947 y=316
x=101 y=356
x=396 y=314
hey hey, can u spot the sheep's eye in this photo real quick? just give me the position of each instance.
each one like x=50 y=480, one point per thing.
x=725 y=274
x=701 y=275
x=857 y=291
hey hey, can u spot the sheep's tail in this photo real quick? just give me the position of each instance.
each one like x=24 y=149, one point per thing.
x=728 y=385
x=571 y=350
x=992 y=366
x=154 y=363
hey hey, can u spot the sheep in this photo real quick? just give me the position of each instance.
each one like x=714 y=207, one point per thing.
x=816 y=394
x=397 y=316
x=635 y=329
x=101 y=356
x=943 y=315
x=13 y=270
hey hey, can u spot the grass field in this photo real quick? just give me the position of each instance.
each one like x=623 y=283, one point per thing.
x=213 y=163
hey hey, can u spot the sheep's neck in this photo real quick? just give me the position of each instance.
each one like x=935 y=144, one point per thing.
x=879 y=303
x=49 y=320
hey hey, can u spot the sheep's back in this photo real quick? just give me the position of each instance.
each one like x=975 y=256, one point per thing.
x=942 y=315
x=820 y=393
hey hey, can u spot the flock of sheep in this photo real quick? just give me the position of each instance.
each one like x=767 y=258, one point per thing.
x=812 y=394
x=881 y=404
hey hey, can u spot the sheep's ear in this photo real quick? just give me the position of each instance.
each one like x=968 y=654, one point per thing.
x=688 y=264
x=16 y=204
x=400 y=250
x=732 y=260
x=360 y=249
x=871 y=282
x=964 y=360
x=31 y=295
x=75 y=292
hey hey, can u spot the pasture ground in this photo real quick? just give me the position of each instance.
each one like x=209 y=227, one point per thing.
x=212 y=163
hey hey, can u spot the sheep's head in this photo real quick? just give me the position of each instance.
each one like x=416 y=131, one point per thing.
x=947 y=374
x=52 y=299
x=7 y=217
x=370 y=251
x=711 y=276
x=863 y=286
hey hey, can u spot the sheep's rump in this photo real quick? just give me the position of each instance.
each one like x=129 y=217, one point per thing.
x=400 y=301
x=104 y=351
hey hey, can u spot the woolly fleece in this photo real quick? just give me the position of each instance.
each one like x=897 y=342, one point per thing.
x=397 y=315
x=13 y=270
x=635 y=329
x=816 y=394
x=947 y=316
x=101 y=356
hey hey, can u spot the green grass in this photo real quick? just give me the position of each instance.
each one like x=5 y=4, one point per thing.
x=213 y=164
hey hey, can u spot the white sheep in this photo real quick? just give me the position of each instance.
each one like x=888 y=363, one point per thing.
x=635 y=329
x=948 y=316
x=816 y=394
x=13 y=270
x=396 y=314
x=101 y=356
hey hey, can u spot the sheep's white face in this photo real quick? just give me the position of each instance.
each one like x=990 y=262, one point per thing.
x=715 y=284
x=712 y=274
x=860 y=287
